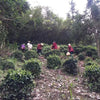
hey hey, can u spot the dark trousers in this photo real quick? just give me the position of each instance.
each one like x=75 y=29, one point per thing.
x=39 y=51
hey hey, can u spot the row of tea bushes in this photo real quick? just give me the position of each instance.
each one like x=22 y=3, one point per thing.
x=27 y=55
x=92 y=74
x=69 y=66
x=18 y=84
x=5 y=64
x=83 y=51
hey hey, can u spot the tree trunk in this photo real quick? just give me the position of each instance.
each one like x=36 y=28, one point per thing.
x=97 y=37
x=98 y=47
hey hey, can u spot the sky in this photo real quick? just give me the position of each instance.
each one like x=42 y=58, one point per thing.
x=59 y=7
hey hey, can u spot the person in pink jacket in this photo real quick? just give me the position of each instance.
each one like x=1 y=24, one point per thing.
x=39 y=48
x=54 y=45
x=70 y=49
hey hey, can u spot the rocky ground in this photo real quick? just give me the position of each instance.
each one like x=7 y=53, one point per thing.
x=57 y=85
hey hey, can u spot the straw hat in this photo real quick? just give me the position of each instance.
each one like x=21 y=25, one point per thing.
x=69 y=44
x=42 y=44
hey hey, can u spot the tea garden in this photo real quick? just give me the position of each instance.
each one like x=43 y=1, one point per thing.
x=19 y=70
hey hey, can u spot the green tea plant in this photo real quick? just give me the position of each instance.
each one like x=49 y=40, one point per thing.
x=7 y=65
x=18 y=55
x=53 y=61
x=92 y=74
x=63 y=48
x=81 y=56
x=70 y=66
x=17 y=85
x=52 y=52
x=33 y=65
x=46 y=49
x=30 y=54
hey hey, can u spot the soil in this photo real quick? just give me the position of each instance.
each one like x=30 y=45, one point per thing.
x=57 y=85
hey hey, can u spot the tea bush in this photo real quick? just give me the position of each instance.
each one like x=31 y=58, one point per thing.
x=53 y=61
x=30 y=54
x=33 y=66
x=7 y=65
x=17 y=85
x=89 y=53
x=98 y=61
x=63 y=48
x=87 y=59
x=90 y=63
x=92 y=74
x=77 y=50
x=18 y=55
x=46 y=49
x=94 y=57
x=1 y=60
x=70 y=66
x=52 y=52
x=81 y=56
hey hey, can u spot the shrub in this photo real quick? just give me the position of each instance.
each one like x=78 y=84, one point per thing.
x=46 y=49
x=53 y=61
x=30 y=54
x=98 y=61
x=89 y=53
x=92 y=74
x=7 y=65
x=81 y=56
x=88 y=59
x=94 y=57
x=70 y=66
x=89 y=47
x=1 y=61
x=17 y=85
x=77 y=50
x=18 y=55
x=33 y=66
x=52 y=52
x=63 y=48
x=90 y=63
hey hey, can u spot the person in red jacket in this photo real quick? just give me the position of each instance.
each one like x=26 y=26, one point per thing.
x=54 y=45
x=70 y=49
x=39 y=48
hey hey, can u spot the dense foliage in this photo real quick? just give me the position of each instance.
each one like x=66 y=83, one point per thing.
x=92 y=74
x=18 y=55
x=52 y=52
x=53 y=61
x=30 y=54
x=7 y=65
x=70 y=66
x=17 y=85
x=33 y=65
x=81 y=56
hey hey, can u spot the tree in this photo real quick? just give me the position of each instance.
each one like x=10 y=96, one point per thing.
x=10 y=13
x=94 y=6
x=9 y=9
x=3 y=34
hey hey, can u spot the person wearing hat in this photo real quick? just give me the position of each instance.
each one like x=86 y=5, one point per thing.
x=39 y=48
x=29 y=45
x=70 y=49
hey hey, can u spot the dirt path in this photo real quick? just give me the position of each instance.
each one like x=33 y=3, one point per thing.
x=56 y=85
